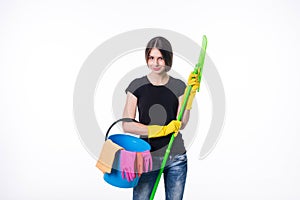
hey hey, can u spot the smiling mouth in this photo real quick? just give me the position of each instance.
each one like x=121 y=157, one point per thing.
x=156 y=68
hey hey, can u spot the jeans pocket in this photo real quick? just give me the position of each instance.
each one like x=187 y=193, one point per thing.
x=182 y=158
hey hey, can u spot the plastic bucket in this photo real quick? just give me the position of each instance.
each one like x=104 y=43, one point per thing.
x=129 y=143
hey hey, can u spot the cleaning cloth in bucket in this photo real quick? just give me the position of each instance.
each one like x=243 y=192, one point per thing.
x=107 y=156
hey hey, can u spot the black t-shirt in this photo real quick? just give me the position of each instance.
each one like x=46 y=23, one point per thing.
x=157 y=105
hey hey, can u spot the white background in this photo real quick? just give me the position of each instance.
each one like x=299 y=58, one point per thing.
x=254 y=45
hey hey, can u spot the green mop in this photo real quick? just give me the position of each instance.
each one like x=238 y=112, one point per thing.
x=197 y=70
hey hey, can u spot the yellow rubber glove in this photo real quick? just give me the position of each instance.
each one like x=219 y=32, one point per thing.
x=192 y=81
x=159 y=131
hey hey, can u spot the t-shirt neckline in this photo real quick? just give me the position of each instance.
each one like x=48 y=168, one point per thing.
x=158 y=85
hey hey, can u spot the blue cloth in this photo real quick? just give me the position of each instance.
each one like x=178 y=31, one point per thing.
x=174 y=177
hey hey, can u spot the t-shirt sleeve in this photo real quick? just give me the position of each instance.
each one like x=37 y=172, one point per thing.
x=133 y=87
x=181 y=87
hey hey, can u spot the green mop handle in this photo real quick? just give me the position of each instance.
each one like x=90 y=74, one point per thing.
x=197 y=70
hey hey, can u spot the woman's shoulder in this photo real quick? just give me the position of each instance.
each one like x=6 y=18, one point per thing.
x=177 y=86
x=176 y=81
x=136 y=83
x=139 y=80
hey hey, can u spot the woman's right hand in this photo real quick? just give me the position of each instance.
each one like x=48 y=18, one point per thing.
x=159 y=131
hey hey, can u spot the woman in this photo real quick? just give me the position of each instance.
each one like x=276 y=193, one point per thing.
x=158 y=97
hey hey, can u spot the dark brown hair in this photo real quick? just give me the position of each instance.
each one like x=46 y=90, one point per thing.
x=164 y=46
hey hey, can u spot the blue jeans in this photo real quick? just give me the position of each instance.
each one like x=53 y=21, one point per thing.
x=174 y=178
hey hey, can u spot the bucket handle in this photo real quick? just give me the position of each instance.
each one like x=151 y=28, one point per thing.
x=119 y=120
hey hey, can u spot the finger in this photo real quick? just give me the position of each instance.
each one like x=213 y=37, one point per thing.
x=192 y=76
x=193 y=82
x=150 y=163
x=146 y=165
x=140 y=170
x=123 y=174
x=132 y=176
x=128 y=177
x=196 y=86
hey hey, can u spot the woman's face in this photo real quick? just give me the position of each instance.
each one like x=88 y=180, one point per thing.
x=156 y=61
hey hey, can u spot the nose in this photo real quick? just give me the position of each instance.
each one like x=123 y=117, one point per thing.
x=155 y=62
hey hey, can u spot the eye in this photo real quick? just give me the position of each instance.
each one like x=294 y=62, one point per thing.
x=160 y=59
x=150 y=57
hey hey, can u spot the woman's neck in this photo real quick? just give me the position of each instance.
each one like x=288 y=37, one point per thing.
x=158 y=79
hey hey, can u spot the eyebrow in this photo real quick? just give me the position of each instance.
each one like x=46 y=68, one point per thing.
x=154 y=56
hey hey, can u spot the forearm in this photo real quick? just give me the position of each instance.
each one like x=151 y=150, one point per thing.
x=185 y=118
x=129 y=112
x=186 y=114
x=135 y=128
